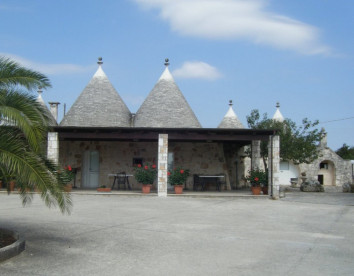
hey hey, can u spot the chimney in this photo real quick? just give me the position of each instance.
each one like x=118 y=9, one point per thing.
x=132 y=120
x=54 y=110
x=323 y=142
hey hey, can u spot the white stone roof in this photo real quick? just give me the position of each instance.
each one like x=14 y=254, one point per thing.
x=165 y=106
x=230 y=119
x=277 y=115
x=99 y=105
x=52 y=122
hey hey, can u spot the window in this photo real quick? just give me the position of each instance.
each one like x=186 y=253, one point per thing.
x=137 y=161
x=170 y=161
x=284 y=166
x=324 y=165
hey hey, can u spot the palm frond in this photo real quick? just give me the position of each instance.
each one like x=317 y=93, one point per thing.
x=23 y=111
x=32 y=171
x=12 y=74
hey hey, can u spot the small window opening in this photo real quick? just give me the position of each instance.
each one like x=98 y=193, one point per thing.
x=324 y=165
x=137 y=161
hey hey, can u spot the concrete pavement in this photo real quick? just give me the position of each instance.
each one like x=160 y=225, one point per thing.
x=301 y=234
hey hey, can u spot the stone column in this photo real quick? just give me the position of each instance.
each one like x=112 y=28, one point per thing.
x=162 y=165
x=273 y=166
x=53 y=147
x=256 y=155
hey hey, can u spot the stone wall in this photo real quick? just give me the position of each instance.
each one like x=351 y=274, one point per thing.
x=114 y=157
x=199 y=158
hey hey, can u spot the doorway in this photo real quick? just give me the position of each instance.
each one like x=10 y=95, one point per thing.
x=91 y=170
x=327 y=173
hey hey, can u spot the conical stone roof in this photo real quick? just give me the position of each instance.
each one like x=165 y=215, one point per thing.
x=166 y=106
x=277 y=115
x=99 y=105
x=52 y=122
x=230 y=120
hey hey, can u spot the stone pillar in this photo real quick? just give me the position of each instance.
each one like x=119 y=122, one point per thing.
x=256 y=155
x=273 y=166
x=53 y=147
x=162 y=165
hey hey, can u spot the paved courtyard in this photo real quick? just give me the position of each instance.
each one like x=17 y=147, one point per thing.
x=301 y=234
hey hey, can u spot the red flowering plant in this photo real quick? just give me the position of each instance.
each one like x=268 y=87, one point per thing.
x=177 y=176
x=65 y=174
x=68 y=174
x=257 y=177
x=145 y=174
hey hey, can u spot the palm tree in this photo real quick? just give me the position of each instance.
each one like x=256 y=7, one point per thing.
x=24 y=124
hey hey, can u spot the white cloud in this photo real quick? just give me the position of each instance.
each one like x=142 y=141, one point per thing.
x=50 y=69
x=197 y=70
x=238 y=19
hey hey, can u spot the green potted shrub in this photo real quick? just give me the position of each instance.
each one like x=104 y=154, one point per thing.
x=257 y=178
x=67 y=175
x=177 y=178
x=145 y=175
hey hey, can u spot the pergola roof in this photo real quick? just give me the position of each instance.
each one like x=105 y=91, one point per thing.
x=240 y=136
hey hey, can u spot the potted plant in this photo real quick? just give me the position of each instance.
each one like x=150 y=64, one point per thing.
x=145 y=175
x=177 y=178
x=12 y=184
x=66 y=176
x=257 y=179
x=103 y=188
x=10 y=181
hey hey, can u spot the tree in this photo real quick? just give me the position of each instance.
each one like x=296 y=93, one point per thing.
x=297 y=143
x=24 y=124
x=346 y=152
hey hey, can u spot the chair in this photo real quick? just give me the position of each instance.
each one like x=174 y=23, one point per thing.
x=196 y=182
x=121 y=179
x=220 y=181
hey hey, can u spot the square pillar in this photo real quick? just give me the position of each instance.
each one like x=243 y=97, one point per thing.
x=256 y=155
x=162 y=165
x=273 y=166
x=53 y=147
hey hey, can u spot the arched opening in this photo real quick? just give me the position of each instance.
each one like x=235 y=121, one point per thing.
x=326 y=173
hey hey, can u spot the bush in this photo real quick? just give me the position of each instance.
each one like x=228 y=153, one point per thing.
x=145 y=174
x=178 y=176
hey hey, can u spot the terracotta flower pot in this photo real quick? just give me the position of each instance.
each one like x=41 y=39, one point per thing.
x=146 y=188
x=256 y=190
x=104 y=190
x=265 y=190
x=68 y=188
x=178 y=189
x=12 y=185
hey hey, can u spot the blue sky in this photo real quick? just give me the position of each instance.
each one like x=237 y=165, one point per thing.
x=254 y=52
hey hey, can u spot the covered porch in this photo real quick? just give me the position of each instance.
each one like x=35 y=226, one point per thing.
x=202 y=151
